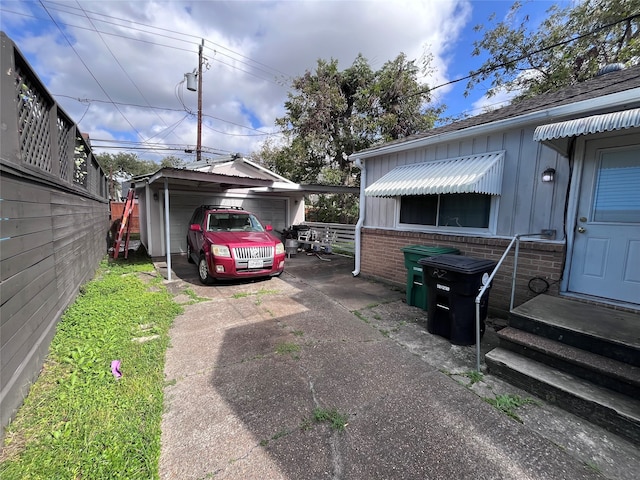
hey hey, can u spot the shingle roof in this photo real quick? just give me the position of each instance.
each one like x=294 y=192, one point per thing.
x=609 y=83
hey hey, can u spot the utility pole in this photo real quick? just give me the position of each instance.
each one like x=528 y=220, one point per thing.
x=199 y=144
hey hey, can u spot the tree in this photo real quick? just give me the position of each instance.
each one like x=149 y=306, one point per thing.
x=331 y=114
x=569 y=46
x=172 y=161
x=123 y=166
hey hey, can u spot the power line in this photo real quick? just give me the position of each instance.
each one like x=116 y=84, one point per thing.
x=120 y=65
x=127 y=24
x=484 y=71
x=185 y=109
x=88 y=69
x=163 y=45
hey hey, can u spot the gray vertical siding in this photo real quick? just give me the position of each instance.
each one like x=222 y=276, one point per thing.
x=53 y=221
x=525 y=205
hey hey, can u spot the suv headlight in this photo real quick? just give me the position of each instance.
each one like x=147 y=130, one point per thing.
x=220 y=251
x=279 y=248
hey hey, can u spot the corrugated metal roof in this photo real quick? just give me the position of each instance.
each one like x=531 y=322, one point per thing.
x=468 y=174
x=607 y=122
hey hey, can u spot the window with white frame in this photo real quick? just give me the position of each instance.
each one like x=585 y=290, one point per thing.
x=451 y=210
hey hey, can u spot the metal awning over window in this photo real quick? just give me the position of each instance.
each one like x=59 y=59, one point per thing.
x=558 y=135
x=468 y=174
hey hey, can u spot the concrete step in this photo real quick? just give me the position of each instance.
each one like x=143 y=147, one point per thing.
x=598 y=329
x=616 y=412
x=603 y=371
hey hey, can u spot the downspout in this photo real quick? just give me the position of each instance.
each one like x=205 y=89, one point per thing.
x=166 y=227
x=363 y=181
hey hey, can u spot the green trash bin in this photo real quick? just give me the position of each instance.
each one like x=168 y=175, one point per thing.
x=416 y=288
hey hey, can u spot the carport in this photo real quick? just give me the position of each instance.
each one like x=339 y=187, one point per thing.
x=167 y=198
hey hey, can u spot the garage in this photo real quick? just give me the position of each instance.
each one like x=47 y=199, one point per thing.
x=270 y=210
x=167 y=199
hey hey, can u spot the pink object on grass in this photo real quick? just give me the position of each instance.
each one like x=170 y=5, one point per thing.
x=115 y=368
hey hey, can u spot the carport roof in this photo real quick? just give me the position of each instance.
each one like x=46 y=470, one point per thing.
x=179 y=177
x=195 y=179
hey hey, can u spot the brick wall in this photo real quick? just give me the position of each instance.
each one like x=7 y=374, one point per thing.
x=382 y=258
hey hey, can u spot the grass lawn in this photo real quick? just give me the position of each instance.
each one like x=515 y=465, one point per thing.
x=79 y=421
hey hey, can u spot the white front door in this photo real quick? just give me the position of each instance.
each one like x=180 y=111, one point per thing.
x=605 y=260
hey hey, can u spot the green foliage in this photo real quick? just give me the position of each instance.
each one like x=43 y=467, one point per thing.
x=172 y=162
x=78 y=420
x=333 y=208
x=584 y=37
x=123 y=166
x=474 y=376
x=337 y=420
x=508 y=403
x=332 y=114
x=287 y=348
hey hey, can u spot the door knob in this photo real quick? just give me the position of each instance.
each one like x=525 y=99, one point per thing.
x=581 y=229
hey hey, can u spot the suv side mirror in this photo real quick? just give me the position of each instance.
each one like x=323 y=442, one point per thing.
x=195 y=227
x=268 y=228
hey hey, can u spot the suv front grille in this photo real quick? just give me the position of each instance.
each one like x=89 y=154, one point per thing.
x=248 y=255
x=245 y=253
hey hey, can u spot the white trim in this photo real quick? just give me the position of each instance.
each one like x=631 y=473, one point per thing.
x=490 y=231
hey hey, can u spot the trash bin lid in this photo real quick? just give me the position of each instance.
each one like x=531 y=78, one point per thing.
x=429 y=251
x=458 y=263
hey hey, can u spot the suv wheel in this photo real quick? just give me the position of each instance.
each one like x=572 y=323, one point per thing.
x=189 y=253
x=203 y=271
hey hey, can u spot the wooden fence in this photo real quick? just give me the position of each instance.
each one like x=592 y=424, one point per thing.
x=339 y=237
x=53 y=222
x=117 y=208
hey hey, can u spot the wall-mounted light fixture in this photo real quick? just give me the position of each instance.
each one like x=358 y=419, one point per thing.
x=155 y=197
x=549 y=175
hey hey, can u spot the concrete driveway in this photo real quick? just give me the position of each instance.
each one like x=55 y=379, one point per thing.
x=256 y=371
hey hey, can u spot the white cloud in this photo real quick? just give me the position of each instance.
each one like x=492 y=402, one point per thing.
x=253 y=50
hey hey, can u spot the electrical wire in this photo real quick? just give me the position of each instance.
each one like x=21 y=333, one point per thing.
x=89 y=70
x=120 y=65
x=484 y=71
x=129 y=22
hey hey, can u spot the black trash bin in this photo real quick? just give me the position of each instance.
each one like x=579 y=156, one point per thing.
x=453 y=283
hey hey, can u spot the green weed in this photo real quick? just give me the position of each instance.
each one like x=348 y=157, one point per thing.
x=195 y=298
x=474 y=376
x=507 y=404
x=78 y=420
x=287 y=348
x=361 y=316
x=337 y=420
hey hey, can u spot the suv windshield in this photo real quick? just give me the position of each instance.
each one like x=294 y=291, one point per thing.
x=233 y=222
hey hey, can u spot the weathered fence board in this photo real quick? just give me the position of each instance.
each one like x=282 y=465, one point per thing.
x=53 y=220
x=338 y=236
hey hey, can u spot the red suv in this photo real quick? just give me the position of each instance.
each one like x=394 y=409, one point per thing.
x=231 y=243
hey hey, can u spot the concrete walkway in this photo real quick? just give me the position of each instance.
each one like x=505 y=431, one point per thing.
x=251 y=367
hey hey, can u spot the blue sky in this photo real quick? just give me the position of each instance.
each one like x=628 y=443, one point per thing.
x=117 y=67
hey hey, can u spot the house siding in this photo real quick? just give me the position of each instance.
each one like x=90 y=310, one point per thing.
x=526 y=205
x=535 y=259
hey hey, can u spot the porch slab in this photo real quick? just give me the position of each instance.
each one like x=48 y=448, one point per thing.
x=599 y=322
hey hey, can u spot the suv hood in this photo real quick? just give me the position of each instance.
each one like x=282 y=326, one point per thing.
x=231 y=238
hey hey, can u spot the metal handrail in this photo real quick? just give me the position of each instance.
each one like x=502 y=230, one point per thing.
x=516 y=240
